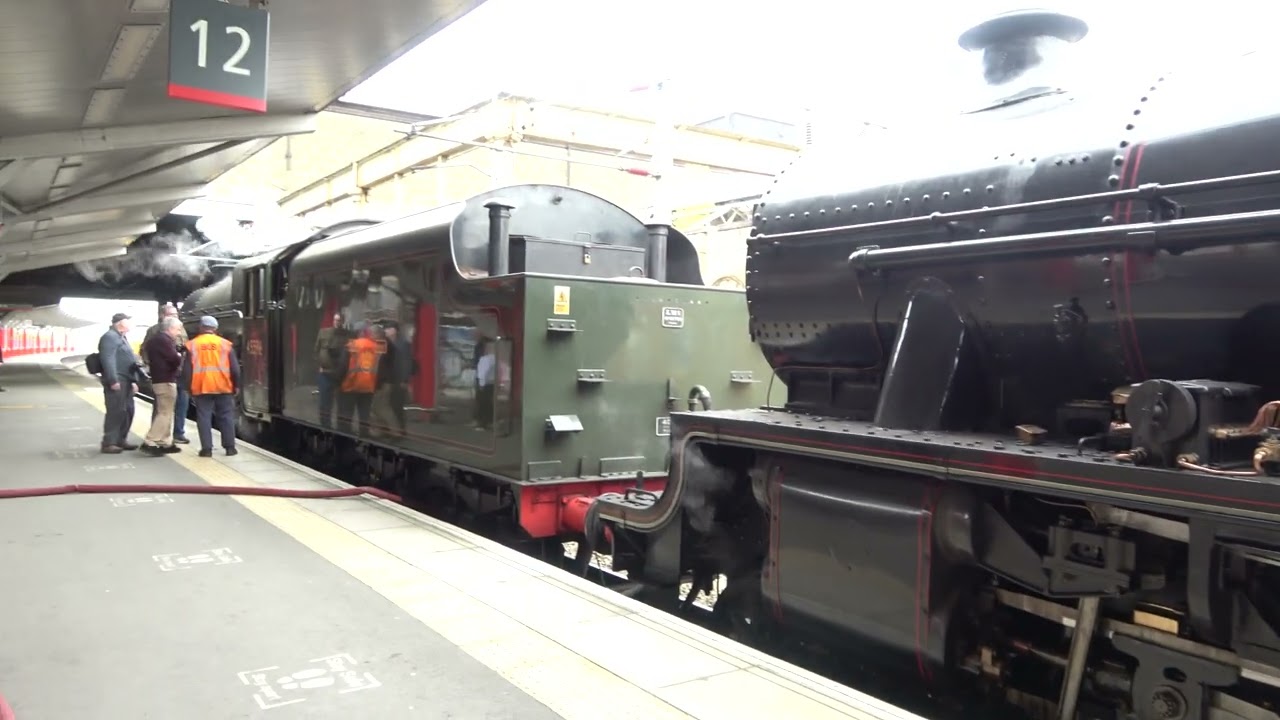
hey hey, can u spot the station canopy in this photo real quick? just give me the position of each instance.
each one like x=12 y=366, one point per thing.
x=100 y=137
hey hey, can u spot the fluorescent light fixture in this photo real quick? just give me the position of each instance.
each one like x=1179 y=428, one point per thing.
x=99 y=234
x=102 y=108
x=65 y=176
x=131 y=48
x=148 y=6
x=205 y=206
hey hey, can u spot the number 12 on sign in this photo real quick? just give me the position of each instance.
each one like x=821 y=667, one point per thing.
x=201 y=28
x=218 y=54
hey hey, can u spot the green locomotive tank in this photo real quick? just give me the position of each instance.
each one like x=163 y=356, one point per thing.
x=518 y=351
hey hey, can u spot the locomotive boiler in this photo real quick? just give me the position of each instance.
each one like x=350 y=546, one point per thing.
x=523 y=350
x=1031 y=431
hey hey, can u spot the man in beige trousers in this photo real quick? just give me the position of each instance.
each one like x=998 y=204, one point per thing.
x=161 y=351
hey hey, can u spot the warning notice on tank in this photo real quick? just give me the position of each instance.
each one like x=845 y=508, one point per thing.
x=672 y=317
x=561 y=306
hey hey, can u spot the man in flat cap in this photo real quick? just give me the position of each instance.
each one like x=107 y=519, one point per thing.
x=119 y=375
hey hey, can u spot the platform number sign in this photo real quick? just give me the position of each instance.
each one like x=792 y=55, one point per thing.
x=218 y=54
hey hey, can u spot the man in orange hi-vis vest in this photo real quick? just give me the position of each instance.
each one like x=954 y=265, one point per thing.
x=212 y=373
x=359 y=381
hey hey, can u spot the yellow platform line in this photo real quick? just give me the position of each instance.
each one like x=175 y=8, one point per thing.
x=572 y=686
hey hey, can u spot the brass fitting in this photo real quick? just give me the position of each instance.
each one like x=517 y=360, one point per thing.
x=1267 y=452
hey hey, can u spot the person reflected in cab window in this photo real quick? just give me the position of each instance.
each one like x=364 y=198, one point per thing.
x=119 y=383
x=212 y=374
x=394 y=370
x=359 y=380
x=485 y=375
x=329 y=344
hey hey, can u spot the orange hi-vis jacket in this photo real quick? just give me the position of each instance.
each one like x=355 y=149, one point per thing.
x=362 y=366
x=210 y=365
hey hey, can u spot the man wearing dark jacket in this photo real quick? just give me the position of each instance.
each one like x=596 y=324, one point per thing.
x=183 y=403
x=119 y=373
x=161 y=351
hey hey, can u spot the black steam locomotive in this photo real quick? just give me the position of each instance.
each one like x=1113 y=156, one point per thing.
x=1031 y=437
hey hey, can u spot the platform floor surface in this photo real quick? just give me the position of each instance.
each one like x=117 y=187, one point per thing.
x=194 y=607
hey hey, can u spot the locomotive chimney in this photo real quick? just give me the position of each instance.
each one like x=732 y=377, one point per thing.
x=1020 y=45
x=657 y=255
x=499 y=237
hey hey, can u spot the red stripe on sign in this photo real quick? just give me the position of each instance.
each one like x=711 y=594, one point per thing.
x=212 y=97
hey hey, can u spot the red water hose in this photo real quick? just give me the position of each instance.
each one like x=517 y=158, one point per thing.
x=6 y=712
x=195 y=490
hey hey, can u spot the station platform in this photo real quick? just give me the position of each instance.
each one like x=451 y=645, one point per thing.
x=168 y=605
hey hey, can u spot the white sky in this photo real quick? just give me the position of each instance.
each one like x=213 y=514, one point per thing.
x=875 y=61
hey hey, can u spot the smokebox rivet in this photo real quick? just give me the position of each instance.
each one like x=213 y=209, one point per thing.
x=991 y=188
x=1118 y=160
x=1129 y=126
x=1107 y=220
x=1111 y=304
x=1114 y=180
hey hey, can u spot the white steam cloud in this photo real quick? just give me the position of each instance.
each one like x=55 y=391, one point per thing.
x=166 y=257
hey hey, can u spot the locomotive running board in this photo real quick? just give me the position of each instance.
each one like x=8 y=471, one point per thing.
x=987 y=460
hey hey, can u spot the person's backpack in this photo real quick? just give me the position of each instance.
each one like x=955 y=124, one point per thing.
x=93 y=364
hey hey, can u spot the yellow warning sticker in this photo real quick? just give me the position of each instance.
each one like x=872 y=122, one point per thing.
x=561 y=306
